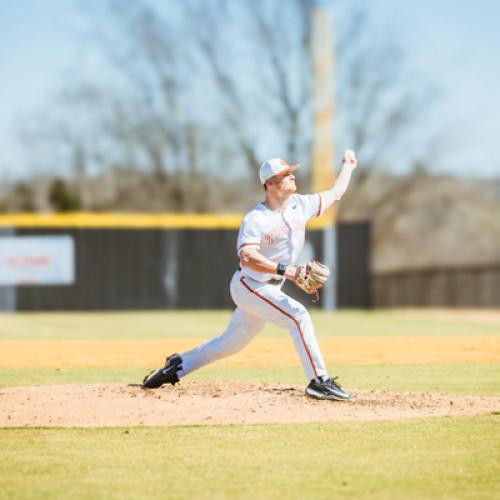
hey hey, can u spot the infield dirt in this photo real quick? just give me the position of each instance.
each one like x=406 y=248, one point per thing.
x=222 y=402
x=349 y=350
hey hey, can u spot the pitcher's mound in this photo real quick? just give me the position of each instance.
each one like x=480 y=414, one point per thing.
x=220 y=402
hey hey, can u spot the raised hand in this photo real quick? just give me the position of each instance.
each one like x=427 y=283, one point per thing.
x=350 y=158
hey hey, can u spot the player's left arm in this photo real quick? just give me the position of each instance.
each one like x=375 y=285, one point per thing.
x=327 y=198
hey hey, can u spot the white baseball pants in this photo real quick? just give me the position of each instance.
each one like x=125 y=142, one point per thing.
x=258 y=303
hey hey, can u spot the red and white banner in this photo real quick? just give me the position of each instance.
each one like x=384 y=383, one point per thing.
x=37 y=260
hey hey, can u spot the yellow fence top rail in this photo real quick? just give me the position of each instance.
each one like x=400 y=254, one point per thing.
x=133 y=221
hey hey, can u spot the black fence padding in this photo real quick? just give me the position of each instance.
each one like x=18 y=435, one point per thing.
x=207 y=262
x=121 y=269
x=114 y=269
x=353 y=265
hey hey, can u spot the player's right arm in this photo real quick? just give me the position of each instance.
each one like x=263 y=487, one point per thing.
x=327 y=198
x=316 y=204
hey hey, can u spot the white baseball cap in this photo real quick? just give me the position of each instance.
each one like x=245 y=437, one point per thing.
x=275 y=166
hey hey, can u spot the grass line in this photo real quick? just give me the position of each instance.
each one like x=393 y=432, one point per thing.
x=451 y=379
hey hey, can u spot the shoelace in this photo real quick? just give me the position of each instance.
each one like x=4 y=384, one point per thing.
x=331 y=381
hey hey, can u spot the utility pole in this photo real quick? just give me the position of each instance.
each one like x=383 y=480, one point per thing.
x=323 y=154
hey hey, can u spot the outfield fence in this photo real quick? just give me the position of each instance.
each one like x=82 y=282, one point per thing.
x=170 y=261
x=465 y=286
x=165 y=261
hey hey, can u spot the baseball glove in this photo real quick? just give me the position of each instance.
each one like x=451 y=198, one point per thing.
x=312 y=276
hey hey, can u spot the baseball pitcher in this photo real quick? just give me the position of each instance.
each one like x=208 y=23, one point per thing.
x=270 y=240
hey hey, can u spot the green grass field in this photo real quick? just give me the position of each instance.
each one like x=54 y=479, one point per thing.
x=434 y=458
x=426 y=458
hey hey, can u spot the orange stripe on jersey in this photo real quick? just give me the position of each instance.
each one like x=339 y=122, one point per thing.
x=320 y=205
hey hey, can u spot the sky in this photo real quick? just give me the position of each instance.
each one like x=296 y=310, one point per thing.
x=453 y=44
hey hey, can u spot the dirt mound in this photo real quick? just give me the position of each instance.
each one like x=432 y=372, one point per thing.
x=220 y=402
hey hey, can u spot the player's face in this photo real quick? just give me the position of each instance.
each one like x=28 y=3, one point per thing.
x=285 y=183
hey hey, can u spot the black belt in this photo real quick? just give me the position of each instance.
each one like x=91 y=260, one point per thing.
x=272 y=281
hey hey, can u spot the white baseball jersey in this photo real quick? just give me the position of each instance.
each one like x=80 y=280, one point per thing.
x=278 y=236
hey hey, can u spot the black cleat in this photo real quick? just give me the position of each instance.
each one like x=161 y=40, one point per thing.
x=327 y=389
x=165 y=375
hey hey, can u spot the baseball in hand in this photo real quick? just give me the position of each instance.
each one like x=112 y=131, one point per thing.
x=350 y=158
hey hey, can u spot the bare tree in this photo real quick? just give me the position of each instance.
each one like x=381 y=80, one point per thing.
x=376 y=108
x=234 y=80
